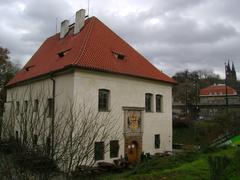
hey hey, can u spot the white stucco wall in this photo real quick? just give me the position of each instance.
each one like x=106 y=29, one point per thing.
x=41 y=90
x=130 y=92
x=64 y=90
x=82 y=86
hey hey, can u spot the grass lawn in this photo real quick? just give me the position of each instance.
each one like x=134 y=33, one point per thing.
x=181 y=167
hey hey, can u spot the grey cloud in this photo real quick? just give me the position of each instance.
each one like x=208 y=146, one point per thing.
x=25 y=28
x=45 y=9
x=173 y=34
x=173 y=29
x=173 y=5
x=179 y=42
x=229 y=10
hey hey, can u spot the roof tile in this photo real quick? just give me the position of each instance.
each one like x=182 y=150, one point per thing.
x=217 y=90
x=92 y=48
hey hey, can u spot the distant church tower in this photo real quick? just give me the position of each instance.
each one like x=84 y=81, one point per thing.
x=231 y=76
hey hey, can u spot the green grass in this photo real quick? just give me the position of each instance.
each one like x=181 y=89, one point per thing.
x=199 y=133
x=190 y=166
x=182 y=167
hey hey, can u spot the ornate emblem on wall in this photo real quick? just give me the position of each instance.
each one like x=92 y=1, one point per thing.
x=134 y=120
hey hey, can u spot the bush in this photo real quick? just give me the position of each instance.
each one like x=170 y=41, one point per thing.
x=217 y=166
x=184 y=123
x=26 y=160
x=233 y=171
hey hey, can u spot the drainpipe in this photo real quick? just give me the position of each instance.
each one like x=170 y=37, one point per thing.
x=53 y=115
x=226 y=90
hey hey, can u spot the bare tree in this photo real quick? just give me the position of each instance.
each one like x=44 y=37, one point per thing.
x=79 y=131
x=77 y=127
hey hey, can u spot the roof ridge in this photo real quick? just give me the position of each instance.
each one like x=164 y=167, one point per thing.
x=89 y=51
x=83 y=47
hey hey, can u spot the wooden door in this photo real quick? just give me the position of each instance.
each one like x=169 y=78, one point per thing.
x=133 y=153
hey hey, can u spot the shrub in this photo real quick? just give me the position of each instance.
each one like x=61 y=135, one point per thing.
x=217 y=166
x=233 y=170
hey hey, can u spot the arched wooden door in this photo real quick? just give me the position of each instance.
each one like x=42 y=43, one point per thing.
x=133 y=152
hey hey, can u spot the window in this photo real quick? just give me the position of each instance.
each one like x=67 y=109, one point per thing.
x=35 y=139
x=35 y=107
x=4 y=108
x=29 y=67
x=99 y=151
x=157 y=141
x=159 y=103
x=103 y=99
x=148 y=102
x=119 y=56
x=17 y=136
x=63 y=53
x=17 y=107
x=25 y=106
x=114 y=148
x=48 y=145
x=50 y=107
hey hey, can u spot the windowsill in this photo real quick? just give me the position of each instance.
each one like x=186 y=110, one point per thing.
x=149 y=112
x=104 y=111
x=99 y=160
x=113 y=157
x=159 y=111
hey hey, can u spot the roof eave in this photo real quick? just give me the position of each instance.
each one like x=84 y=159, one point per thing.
x=53 y=73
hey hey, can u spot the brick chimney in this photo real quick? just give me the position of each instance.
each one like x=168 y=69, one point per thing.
x=79 y=20
x=64 y=28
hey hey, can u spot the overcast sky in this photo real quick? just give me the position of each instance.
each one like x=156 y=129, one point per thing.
x=173 y=34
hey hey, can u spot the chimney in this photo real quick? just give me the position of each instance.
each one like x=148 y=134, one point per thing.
x=79 y=20
x=64 y=28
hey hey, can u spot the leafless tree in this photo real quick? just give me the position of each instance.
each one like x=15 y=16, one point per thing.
x=77 y=126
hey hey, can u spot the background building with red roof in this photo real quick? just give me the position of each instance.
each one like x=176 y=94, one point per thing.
x=216 y=94
x=87 y=63
x=217 y=97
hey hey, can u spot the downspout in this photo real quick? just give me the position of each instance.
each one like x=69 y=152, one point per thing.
x=226 y=89
x=53 y=115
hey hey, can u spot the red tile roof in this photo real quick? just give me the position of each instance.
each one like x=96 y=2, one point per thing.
x=92 y=49
x=216 y=90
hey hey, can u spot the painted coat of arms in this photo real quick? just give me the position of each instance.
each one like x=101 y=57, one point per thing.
x=134 y=121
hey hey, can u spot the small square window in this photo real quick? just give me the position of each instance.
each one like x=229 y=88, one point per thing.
x=99 y=151
x=114 y=148
x=119 y=56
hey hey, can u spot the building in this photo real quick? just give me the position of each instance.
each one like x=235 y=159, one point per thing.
x=87 y=63
x=217 y=97
x=231 y=77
